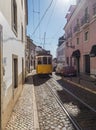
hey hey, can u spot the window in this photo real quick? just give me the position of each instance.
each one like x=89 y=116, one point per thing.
x=94 y=9
x=22 y=32
x=14 y=16
x=67 y=44
x=1 y=48
x=77 y=21
x=39 y=60
x=44 y=60
x=67 y=60
x=74 y=61
x=15 y=70
x=22 y=3
x=77 y=40
x=86 y=17
x=86 y=11
x=70 y=61
x=49 y=60
x=86 y=36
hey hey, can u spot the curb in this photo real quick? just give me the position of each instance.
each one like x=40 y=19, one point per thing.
x=80 y=86
x=36 y=123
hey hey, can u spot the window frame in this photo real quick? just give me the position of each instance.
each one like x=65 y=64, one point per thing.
x=14 y=17
x=78 y=40
x=22 y=32
x=94 y=9
x=86 y=36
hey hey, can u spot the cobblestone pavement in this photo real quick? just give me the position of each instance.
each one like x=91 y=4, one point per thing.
x=22 y=117
x=50 y=114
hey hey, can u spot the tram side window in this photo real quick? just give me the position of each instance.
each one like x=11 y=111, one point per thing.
x=44 y=60
x=49 y=60
x=39 y=61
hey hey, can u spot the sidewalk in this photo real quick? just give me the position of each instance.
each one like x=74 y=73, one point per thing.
x=84 y=81
x=24 y=115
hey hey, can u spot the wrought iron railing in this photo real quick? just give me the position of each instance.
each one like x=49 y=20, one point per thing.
x=85 y=19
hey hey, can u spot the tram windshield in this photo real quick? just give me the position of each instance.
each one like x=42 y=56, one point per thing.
x=39 y=60
x=44 y=60
x=49 y=60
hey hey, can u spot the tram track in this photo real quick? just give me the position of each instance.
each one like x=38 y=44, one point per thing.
x=75 y=124
x=86 y=116
x=80 y=100
x=50 y=114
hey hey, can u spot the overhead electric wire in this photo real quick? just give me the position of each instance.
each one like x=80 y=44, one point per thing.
x=39 y=18
x=43 y=17
x=33 y=13
x=51 y=15
x=57 y=31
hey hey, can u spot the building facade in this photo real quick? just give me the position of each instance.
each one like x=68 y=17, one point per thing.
x=30 y=55
x=61 y=52
x=13 y=21
x=80 y=31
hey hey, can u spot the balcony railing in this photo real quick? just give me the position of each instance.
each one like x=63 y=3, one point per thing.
x=69 y=35
x=85 y=19
x=77 y=28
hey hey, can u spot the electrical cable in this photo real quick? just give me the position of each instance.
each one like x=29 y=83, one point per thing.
x=43 y=16
x=33 y=13
x=51 y=15
x=39 y=18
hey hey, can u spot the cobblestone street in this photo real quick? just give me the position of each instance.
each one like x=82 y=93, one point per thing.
x=50 y=115
x=38 y=109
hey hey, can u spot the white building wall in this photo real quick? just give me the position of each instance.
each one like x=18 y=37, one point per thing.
x=5 y=7
x=12 y=45
x=61 y=54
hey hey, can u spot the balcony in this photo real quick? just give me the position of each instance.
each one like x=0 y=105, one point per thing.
x=77 y=29
x=85 y=20
x=69 y=35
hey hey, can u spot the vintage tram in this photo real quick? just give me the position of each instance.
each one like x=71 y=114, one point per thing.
x=44 y=64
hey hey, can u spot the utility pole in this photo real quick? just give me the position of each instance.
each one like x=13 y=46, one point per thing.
x=44 y=39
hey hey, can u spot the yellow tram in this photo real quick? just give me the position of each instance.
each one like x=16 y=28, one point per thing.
x=44 y=64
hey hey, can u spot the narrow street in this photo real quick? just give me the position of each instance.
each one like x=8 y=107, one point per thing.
x=48 y=64
x=38 y=108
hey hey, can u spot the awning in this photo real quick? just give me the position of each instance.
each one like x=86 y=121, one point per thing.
x=76 y=54
x=93 y=51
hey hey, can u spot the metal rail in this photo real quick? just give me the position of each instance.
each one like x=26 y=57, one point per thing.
x=74 y=122
x=88 y=106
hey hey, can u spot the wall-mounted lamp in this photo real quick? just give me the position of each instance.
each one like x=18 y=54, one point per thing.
x=73 y=47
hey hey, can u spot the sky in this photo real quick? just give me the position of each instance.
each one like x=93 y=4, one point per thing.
x=46 y=20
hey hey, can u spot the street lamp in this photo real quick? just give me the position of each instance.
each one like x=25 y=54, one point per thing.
x=73 y=47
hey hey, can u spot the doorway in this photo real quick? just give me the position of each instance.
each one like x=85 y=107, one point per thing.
x=87 y=64
x=78 y=65
x=15 y=71
x=22 y=70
